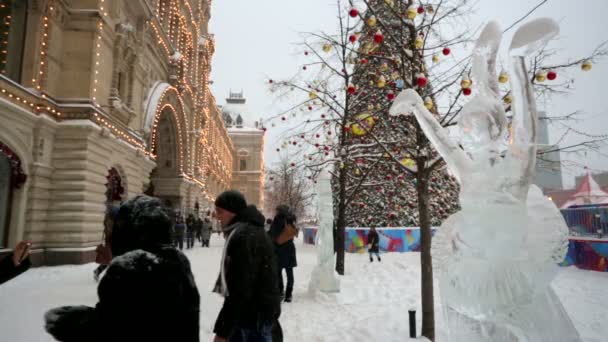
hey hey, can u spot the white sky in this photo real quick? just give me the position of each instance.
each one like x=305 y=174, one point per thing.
x=256 y=40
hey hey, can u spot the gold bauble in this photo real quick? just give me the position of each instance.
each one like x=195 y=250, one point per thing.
x=412 y=11
x=465 y=83
x=587 y=65
x=503 y=77
x=435 y=58
x=326 y=47
x=408 y=162
x=371 y=21
x=364 y=122
x=540 y=76
x=391 y=3
x=383 y=66
x=312 y=95
x=428 y=103
x=419 y=43
x=507 y=99
x=381 y=82
x=357 y=172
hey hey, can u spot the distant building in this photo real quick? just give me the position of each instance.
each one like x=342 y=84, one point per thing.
x=548 y=163
x=247 y=135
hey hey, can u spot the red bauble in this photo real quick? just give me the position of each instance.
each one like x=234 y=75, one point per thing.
x=304 y=68
x=420 y=9
x=295 y=143
x=317 y=145
x=270 y=81
x=361 y=205
x=446 y=51
x=378 y=38
x=466 y=91
x=326 y=153
x=421 y=81
x=326 y=148
x=293 y=164
x=390 y=96
x=389 y=177
x=264 y=129
x=363 y=61
x=353 y=12
x=317 y=135
x=283 y=118
x=400 y=177
x=352 y=38
x=391 y=216
x=271 y=178
x=305 y=53
x=551 y=75
x=302 y=136
x=328 y=132
x=309 y=107
x=346 y=128
x=351 y=89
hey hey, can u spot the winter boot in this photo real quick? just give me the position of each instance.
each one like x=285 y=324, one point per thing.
x=371 y=259
x=288 y=295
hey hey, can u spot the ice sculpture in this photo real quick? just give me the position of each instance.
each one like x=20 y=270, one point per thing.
x=496 y=258
x=323 y=277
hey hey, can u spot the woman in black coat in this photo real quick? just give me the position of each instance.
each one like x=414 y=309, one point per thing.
x=286 y=253
x=148 y=292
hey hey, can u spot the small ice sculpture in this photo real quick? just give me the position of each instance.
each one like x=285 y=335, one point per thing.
x=323 y=277
x=496 y=258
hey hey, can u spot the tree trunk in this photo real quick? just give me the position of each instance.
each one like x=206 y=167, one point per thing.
x=341 y=222
x=426 y=265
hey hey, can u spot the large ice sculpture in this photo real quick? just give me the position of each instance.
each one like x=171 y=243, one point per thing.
x=496 y=258
x=323 y=277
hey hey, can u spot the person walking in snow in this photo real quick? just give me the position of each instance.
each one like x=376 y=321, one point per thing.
x=148 y=292
x=180 y=231
x=286 y=252
x=248 y=277
x=373 y=241
x=206 y=232
x=190 y=229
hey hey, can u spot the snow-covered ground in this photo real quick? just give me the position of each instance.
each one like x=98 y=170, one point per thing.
x=372 y=306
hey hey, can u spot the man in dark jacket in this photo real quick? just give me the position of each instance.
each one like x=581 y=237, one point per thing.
x=148 y=292
x=373 y=240
x=247 y=277
x=15 y=263
x=286 y=253
x=190 y=230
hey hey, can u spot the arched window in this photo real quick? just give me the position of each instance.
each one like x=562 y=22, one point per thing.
x=239 y=121
x=228 y=120
x=242 y=164
x=12 y=37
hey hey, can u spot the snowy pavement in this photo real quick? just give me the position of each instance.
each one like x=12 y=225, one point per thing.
x=372 y=306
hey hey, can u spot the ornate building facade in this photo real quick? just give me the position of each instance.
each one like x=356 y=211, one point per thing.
x=247 y=135
x=101 y=100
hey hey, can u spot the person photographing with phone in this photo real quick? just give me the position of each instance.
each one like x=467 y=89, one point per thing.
x=15 y=263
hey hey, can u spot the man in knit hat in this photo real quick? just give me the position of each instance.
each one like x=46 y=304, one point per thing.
x=248 y=277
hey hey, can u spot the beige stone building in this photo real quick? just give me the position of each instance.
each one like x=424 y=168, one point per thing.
x=247 y=135
x=101 y=100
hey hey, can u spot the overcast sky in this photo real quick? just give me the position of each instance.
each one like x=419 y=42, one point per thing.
x=256 y=40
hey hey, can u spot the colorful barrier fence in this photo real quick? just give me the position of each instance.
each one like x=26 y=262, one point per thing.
x=587 y=254
x=587 y=220
x=392 y=239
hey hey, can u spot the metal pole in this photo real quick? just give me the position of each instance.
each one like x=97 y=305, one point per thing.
x=412 y=314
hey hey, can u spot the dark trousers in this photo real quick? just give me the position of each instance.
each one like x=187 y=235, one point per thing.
x=289 y=289
x=263 y=333
x=190 y=241
x=205 y=242
x=179 y=241
x=377 y=255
